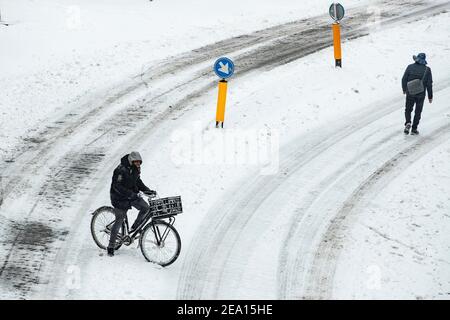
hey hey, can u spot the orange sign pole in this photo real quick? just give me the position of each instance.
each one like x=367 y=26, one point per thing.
x=337 y=44
x=221 y=102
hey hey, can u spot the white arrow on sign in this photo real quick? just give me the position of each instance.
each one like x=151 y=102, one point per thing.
x=224 y=68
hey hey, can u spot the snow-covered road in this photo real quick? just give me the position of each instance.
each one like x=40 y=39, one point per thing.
x=302 y=213
x=71 y=160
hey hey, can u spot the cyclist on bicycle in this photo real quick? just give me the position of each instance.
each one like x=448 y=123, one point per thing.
x=125 y=186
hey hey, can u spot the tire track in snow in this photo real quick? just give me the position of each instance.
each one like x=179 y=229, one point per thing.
x=214 y=269
x=208 y=262
x=85 y=141
x=321 y=274
x=298 y=276
x=64 y=177
x=190 y=96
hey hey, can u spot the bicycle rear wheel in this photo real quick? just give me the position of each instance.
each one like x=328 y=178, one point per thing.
x=160 y=243
x=102 y=221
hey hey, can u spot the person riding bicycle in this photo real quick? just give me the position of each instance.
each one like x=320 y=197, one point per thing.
x=125 y=187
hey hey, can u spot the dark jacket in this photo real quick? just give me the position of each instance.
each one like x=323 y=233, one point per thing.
x=416 y=71
x=125 y=185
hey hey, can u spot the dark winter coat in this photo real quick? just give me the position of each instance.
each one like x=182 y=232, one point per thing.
x=416 y=71
x=125 y=185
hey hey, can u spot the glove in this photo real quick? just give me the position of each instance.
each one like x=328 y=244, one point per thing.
x=150 y=193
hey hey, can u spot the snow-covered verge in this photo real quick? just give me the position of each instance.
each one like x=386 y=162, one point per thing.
x=60 y=54
x=290 y=102
x=401 y=238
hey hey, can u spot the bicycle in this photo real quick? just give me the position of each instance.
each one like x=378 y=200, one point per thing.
x=158 y=239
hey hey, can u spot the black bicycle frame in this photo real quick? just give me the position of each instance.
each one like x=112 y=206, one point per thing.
x=126 y=226
x=159 y=237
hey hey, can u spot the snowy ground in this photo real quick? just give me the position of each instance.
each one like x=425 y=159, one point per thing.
x=402 y=227
x=81 y=49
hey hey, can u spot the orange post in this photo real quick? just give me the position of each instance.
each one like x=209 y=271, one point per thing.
x=337 y=44
x=221 y=102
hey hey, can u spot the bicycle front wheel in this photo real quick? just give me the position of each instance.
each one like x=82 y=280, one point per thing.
x=160 y=243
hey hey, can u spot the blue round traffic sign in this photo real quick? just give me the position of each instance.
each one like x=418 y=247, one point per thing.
x=224 y=68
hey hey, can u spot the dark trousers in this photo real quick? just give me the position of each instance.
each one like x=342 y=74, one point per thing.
x=410 y=102
x=120 y=214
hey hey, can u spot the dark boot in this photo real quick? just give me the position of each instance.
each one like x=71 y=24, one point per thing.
x=407 y=128
x=110 y=252
x=414 y=132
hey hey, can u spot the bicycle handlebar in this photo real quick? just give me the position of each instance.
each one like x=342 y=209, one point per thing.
x=156 y=196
